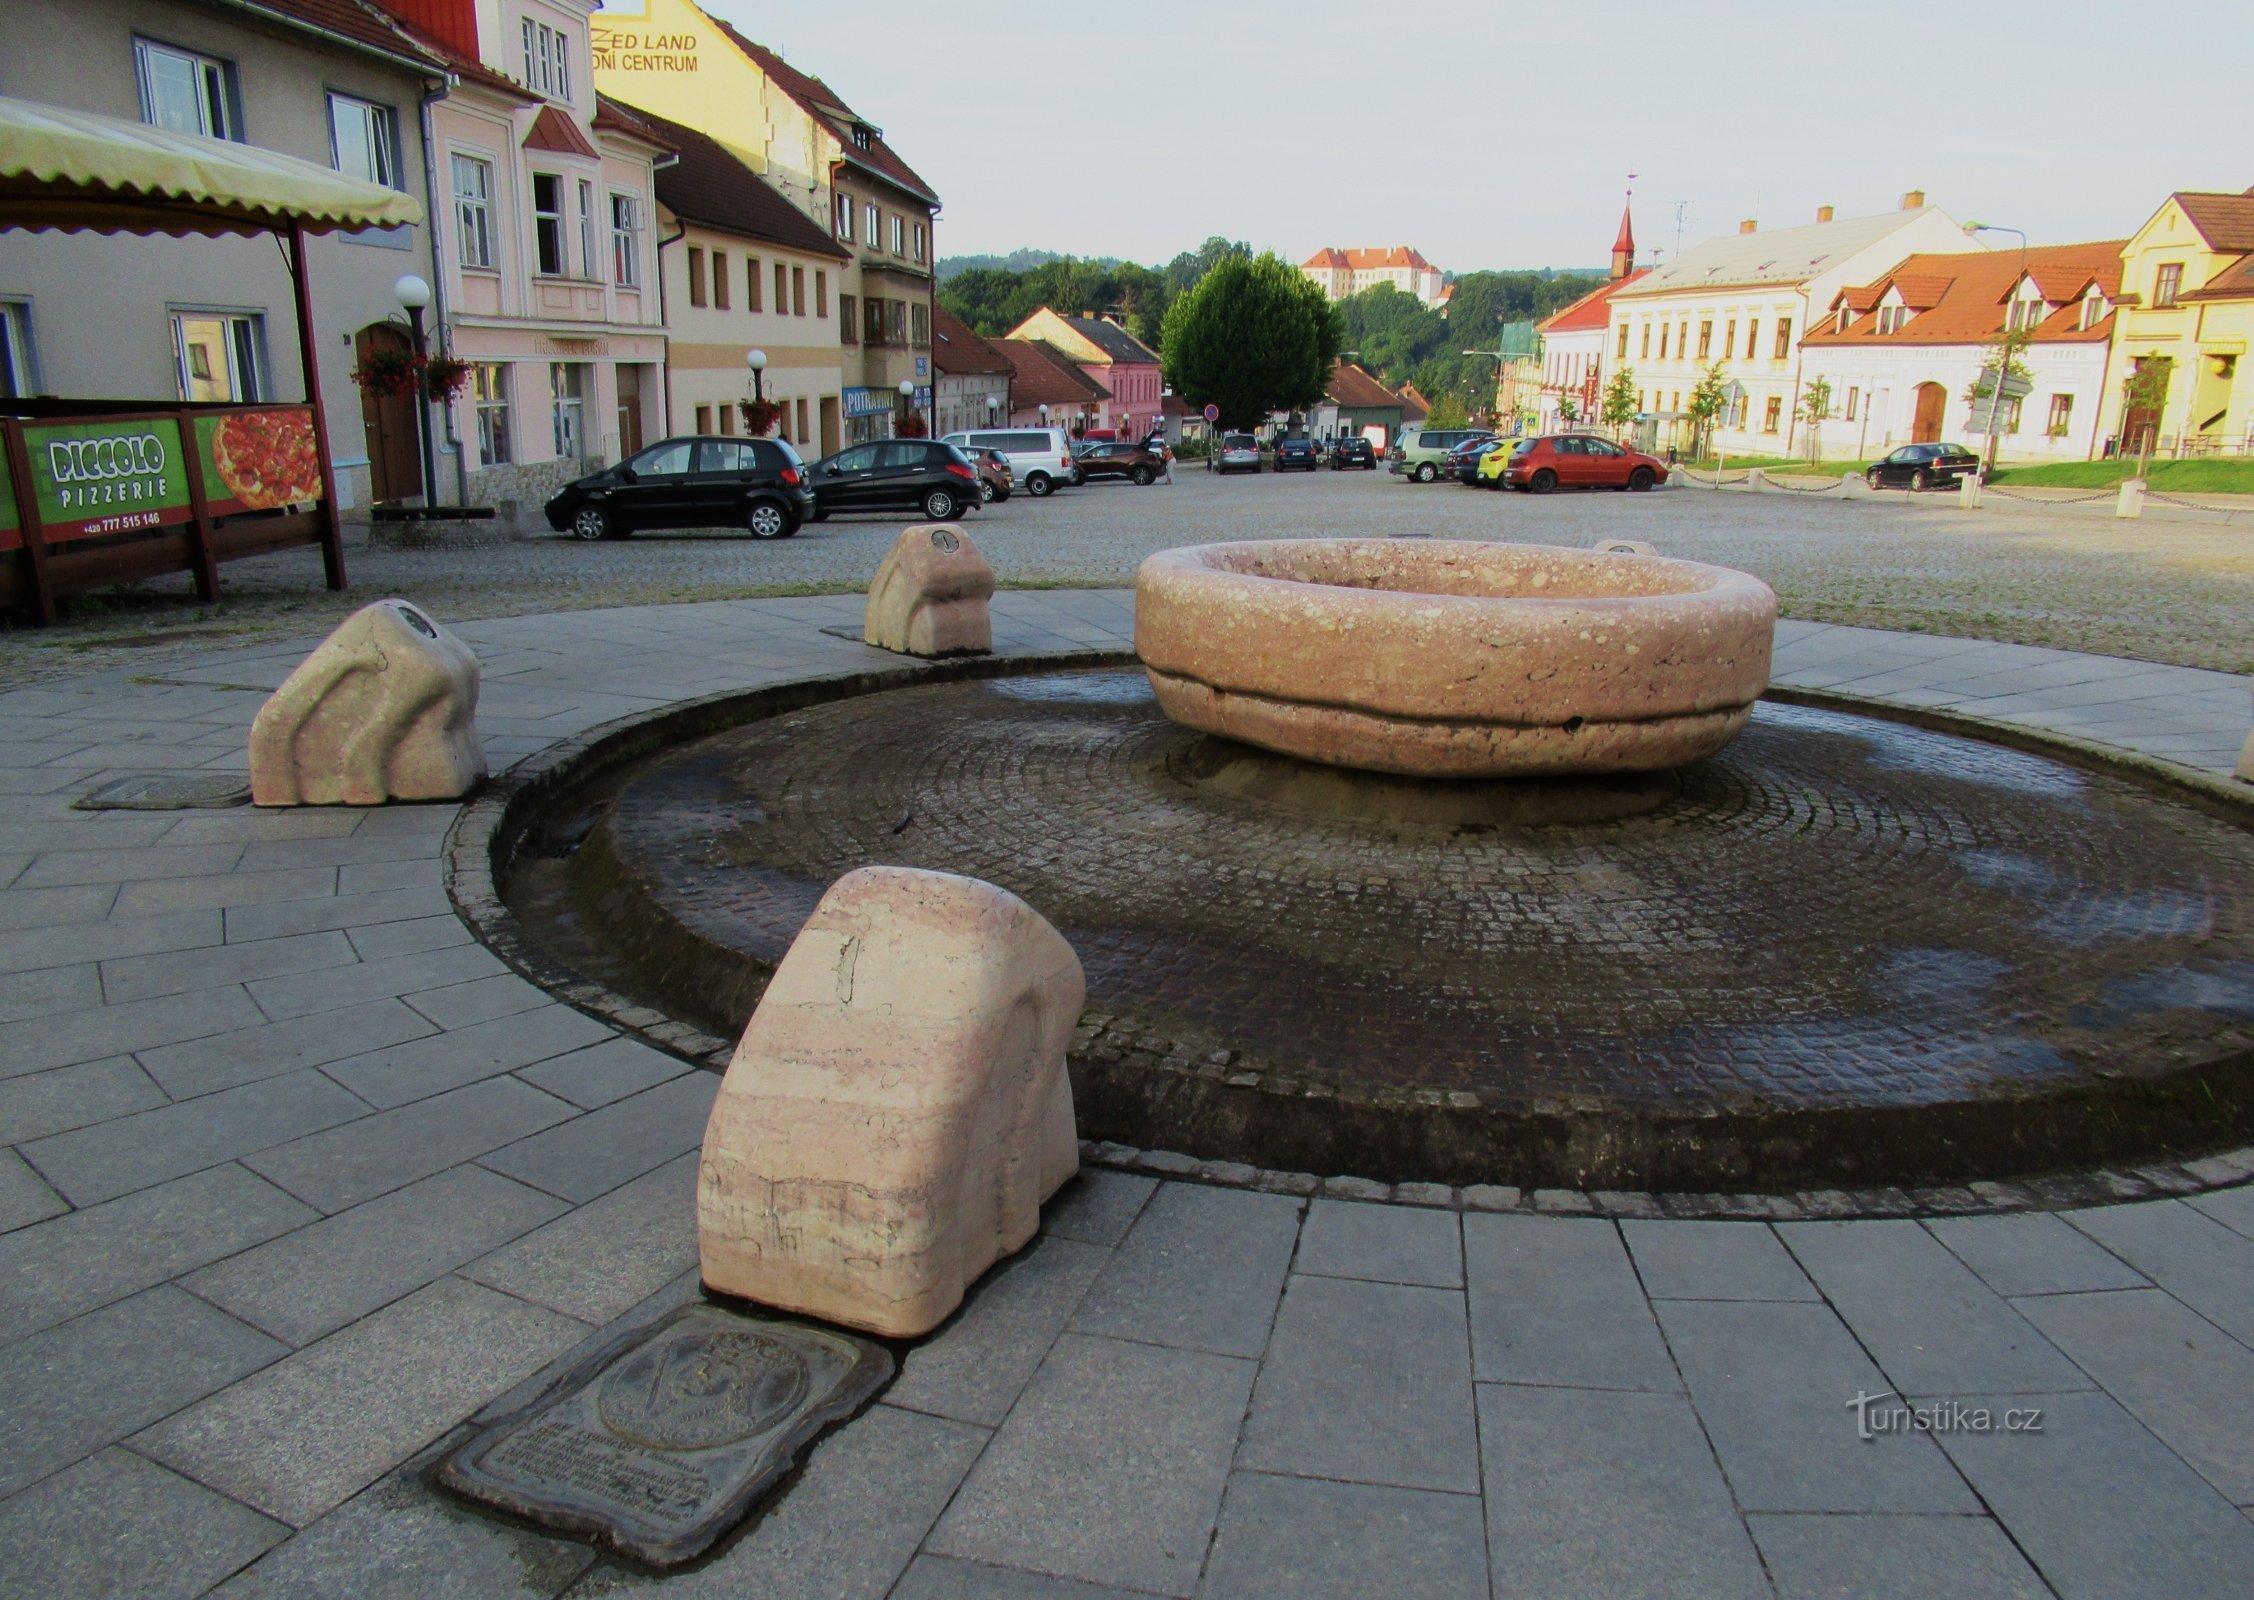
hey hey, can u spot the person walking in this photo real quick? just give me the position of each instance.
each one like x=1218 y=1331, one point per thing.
x=1165 y=462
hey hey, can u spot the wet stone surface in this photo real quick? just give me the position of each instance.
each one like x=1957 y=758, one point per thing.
x=1837 y=910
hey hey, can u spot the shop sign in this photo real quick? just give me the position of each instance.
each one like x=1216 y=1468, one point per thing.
x=870 y=402
x=9 y=523
x=103 y=476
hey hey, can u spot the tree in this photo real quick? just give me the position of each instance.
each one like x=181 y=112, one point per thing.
x=1706 y=403
x=1445 y=413
x=1185 y=271
x=1815 y=406
x=1620 y=397
x=1568 y=410
x=2145 y=389
x=1253 y=337
x=1989 y=413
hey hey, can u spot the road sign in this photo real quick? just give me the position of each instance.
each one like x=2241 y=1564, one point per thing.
x=1213 y=413
x=1734 y=392
x=2015 y=387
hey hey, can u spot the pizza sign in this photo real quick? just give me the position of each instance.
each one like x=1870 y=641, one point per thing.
x=259 y=460
x=103 y=476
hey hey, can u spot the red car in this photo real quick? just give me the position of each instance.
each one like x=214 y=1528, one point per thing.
x=1580 y=461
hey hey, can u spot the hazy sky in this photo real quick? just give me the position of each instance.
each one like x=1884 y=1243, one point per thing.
x=1501 y=136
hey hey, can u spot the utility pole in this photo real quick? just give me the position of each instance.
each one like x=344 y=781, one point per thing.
x=2003 y=345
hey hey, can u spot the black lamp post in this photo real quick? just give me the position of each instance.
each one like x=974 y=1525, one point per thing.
x=414 y=294
x=757 y=361
x=907 y=403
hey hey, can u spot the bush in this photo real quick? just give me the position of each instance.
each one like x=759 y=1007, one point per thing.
x=1193 y=449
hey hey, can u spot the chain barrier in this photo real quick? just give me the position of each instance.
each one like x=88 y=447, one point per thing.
x=1829 y=488
x=2188 y=505
x=2050 y=500
x=1716 y=481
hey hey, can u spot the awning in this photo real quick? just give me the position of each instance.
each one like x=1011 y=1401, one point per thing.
x=74 y=170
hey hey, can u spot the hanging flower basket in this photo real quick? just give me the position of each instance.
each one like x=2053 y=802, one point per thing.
x=760 y=416
x=388 y=372
x=445 y=377
x=911 y=426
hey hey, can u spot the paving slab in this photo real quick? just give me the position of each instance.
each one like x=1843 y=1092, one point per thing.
x=2206 y=1265
x=22 y=909
x=1098 y=1206
x=34 y=948
x=1887 y=1558
x=1554 y=1300
x=37 y=994
x=2032 y=1252
x=1387 y=1244
x=276 y=919
x=1110 y=1468
x=458 y=1005
x=604 y=1072
x=1714 y=1261
x=116 y=1524
x=975 y=1365
x=69 y=1037
x=1611 y=1494
x=944 y=1578
x=597 y=1262
x=434 y=1063
x=600 y=1150
x=53 y=869
x=1201 y=1269
x=212 y=966
x=24 y=1195
x=372 y=980
x=270 y=1049
x=408 y=936
x=1284 y=1538
x=62 y=1098
x=235 y=889
x=391 y=1149
x=2233 y=1208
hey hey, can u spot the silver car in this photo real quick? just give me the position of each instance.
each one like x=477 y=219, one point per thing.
x=1239 y=452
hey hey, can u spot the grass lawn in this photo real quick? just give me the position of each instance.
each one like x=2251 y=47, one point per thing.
x=1825 y=469
x=2214 y=475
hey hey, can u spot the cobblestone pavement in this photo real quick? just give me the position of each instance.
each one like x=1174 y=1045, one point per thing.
x=2030 y=574
x=298 y=1178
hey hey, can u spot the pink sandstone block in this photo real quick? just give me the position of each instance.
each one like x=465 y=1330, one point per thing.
x=383 y=709
x=2246 y=760
x=930 y=593
x=897 y=1109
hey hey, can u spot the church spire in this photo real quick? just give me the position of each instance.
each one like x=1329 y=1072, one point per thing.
x=1624 y=247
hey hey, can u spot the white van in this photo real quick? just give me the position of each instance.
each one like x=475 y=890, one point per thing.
x=1040 y=458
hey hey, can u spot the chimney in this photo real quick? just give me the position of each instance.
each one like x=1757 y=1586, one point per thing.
x=1748 y=225
x=1823 y=213
x=1913 y=200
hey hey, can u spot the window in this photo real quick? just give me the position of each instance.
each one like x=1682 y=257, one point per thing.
x=1705 y=339
x=589 y=266
x=16 y=378
x=873 y=319
x=1892 y=318
x=801 y=419
x=1643 y=351
x=1752 y=337
x=727 y=419
x=186 y=92
x=547 y=59
x=2062 y=416
x=222 y=355
x=797 y=292
x=1783 y=346
x=567 y=394
x=861 y=139
x=1729 y=339
x=1840 y=321
x=626 y=240
x=2026 y=315
x=703 y=422
x=2094 y=309
x=1622 y=352
x=875 y=219
x=845 y=217
x=899 y=234
x=751 y=283
x=821 y=293
x=848 y=319
x=473 y=210
x=364 y=140
x=921 y=242
x=2166 y=286
x=548 y=224
x=1774 y=415
x=1853 y=395
x=696 y=275
x=721 y=282
x=489 y=399
x=782 y=290
x=899 y=320
x=667 y=460
x=919 y=328
x=2011 y=413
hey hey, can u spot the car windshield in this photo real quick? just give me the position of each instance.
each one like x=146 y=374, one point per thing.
x=1526 y=447
x=1239 y=441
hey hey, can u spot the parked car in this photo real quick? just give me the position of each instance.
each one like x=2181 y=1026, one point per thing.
x=1422 y=453
x=759 y=485
x=1297 y=451
x=1922 y=466
x=1239 y=452
x=1040 y=458
x=1579 y=461
x=995 y=480
x=1352 y=450
x=926 y=475
x=1463 y=461
x=1116 y=458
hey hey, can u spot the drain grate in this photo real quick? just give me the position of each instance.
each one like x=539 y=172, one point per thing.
x=166 y=791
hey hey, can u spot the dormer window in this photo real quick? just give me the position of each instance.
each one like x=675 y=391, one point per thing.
x=2026 y=315
x=1845 y=317
x=1892 y=318
x=2094 y=310
x=861 y=139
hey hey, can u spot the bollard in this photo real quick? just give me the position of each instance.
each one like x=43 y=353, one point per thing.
x=2131 y=503
x=1678 y=476
x=1853 y=486
x=1968 y=492
x=929 y=595
x=1756 y=478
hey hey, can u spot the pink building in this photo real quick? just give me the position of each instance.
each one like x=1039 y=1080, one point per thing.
x=1126 y=368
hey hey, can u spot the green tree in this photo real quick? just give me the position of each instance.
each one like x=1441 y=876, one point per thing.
x=1989 y=413
x=1253 y=337
x=1568 y=410
x=1620 y=397
x=1706 y=403
x=1815 y=407
x=1185 y=270
x=1446 y=412
x=2146 y=389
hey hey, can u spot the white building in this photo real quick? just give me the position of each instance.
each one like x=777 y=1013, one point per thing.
x=1339 y=273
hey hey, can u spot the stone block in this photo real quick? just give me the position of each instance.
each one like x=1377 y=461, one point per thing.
x=385 y=709
x=2130 y=502
x=897 y=1109
x=2246 y=760
x=930 y=593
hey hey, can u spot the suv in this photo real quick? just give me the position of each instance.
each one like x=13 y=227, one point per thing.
x=924 y=474
x=1116 y=458
x=1040 y=458
x=1237 y=452
x=1422 y=453
x=756 y=484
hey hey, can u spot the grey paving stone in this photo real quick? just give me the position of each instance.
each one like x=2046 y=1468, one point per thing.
x=1610 y=1494
x=845 y=1530
x=973 y=1368
x=234 y=889
x=281 y=854
x=600 y=1150
x=1098 y=1206
x=2032 y=1252
x=1932 y=1326
x=115 y=1524
x=38 y=994
x=268 y=1050
x=1201 y=1268
x=372 y=980
x=1109 y=1469
x=1386 y=1244
x=257 y=826
x=439 y=932
x=59 y=1269
x=178 y=971
x=1298 y=1539
x=1714 y=1261
x=373 y=877
x=399 y=1540
x=458 y=1005
x=63 y=1098
x=278 y=919
x=420 y=1068
x=340 y=1268
x=391 y=1149
x=2233 y=1208
x=54 y=869
x=1887 y=1558
x=24 y=1195
x=89 y=1165
x=1366 y=1381
x=51 y=908
x=419 y=817
x=604 y=1072
x=311 y=1431
x=945 y=1578
x=2175 y=1371
x=76 y=1388
x=1554 y=1300
x=2206 y=1265
x=600 y=1260
x=2103 y=1509
x=1772 y=1381
x=32 y=948
x=61 y=1040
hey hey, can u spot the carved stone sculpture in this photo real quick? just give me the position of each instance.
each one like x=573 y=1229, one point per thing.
x=930 y=593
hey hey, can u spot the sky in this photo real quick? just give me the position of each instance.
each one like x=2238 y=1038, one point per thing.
x=1502 y=135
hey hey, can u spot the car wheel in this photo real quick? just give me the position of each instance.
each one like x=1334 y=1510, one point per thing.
x=1923 y=480
x=1543 y=481
x=1142 y=477
x=1870 y=478
x=1038 y=485
x=1642 y=479
x=767 y=520
x=941 y=506
x=590 y=523
x=1425 y=472
x=986 y=495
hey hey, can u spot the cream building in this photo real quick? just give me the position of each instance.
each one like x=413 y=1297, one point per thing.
x=1339 y=273
x=2187 y=307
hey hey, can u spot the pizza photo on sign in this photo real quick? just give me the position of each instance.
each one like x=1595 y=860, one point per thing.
x=267 y=458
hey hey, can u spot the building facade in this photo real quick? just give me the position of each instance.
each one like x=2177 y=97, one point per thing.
x=1126 y=369
x=1339 y=273
x=832 y=164
x=1048 y=389
x=2187 y=314
x=165 y=320
x=973 y=378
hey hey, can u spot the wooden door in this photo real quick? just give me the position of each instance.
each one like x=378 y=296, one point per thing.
x=395 y=470
x=829 y=443
x=629 y=411
x=1932 y=406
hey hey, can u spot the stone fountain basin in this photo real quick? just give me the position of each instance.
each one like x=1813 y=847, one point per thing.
x=1455 y=658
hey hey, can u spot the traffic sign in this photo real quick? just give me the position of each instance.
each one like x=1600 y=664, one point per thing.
x=1212 y=413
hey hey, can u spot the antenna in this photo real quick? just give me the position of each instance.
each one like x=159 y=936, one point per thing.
x=1681 y=206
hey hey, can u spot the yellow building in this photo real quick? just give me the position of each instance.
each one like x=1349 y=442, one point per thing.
x=2187 y=308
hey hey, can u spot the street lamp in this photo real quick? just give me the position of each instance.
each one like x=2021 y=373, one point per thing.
x=993 y=409
x=907 y=400
x=413 y=295
x=757 y=361
x=2003 y=347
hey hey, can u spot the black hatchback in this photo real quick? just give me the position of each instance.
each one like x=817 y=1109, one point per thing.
x=920 y=474
x=1296 y=451
x=1352 y=450
x=1922 y=466
x=755 y=484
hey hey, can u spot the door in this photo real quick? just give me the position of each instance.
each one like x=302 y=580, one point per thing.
x=830 y=439
x=1932 y=404
x=629 y=412
x=716 y=489
x=843 y=482
x=659 y=495
x=387 y=422
x=1606 y=464
x=900 y=477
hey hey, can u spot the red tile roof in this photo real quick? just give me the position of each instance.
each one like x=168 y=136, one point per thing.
x=2225 y=221
x=2234 y=282
x=1399 y=255
x=463 y=66
x=349 y=19
x=1414 y=406
x=1590 y=311
x=1961 y=299
x=1045 y=375
x=822 y=102
x=954 y=348
x=708 y=183
x=1353 y=386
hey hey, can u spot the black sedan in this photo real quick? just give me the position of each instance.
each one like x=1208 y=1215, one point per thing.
x=755 y=484
x=1922 y=466
x=1464 y=459
x=1296 y=451
x=916 y=474
x=1352 y=450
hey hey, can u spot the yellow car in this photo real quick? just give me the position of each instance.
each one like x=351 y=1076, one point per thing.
x=1491 y=464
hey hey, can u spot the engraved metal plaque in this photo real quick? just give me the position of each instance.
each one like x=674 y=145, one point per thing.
x=944 y=539
x=660 y=1442
x=166 y=791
